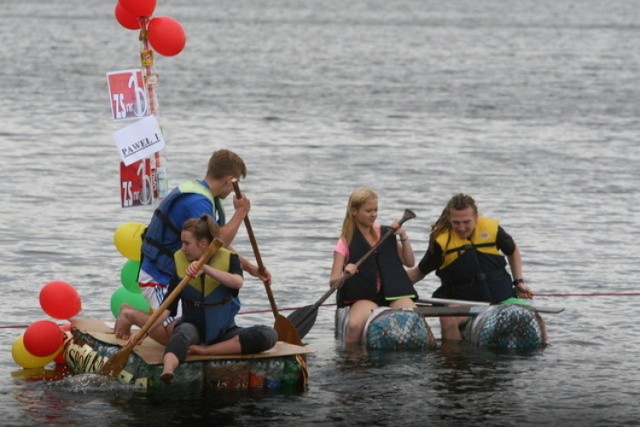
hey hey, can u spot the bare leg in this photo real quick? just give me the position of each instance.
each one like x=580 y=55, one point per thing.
x=124 y=321
x=230 y=346
x=129 y=316
x=403 y=303
x=358 y=315
x=170 y=363
x=450 y=327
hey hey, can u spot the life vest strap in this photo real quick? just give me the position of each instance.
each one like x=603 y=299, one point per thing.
x=470 y=246
x=165 y=220
x=480 y=277
x=203 y=304
x=159 y=246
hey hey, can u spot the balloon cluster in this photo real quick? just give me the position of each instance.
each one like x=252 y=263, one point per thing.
x=128 y=241
x=43 y=341
x=165 y=34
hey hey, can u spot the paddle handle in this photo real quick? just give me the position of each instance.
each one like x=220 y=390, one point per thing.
x=213 y=248
x=408 y=214
x=256 y=252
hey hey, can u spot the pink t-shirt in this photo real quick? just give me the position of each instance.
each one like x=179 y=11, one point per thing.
x=343 y=249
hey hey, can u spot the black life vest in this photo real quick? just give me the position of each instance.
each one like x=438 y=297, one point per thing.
x=385 y=261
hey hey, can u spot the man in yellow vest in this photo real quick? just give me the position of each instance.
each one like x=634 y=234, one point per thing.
x=468 y=252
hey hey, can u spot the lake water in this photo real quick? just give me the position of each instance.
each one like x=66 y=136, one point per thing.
x=529 y=106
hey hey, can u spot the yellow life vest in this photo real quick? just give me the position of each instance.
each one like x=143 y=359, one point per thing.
x=483 y=239
x=220 y=261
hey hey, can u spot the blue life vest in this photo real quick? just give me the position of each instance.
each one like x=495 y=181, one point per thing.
x=206 y=303
x=162 y=237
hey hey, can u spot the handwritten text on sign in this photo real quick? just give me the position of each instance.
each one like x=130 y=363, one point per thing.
x=127 y=94
x=139 y=140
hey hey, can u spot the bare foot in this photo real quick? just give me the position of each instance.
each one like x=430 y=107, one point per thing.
x=197 y=349
x=167 y=377
x=122 y=327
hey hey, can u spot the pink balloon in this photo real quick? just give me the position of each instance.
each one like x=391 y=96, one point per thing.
x=60 y=300
x=166 y=35
x=43 y=338
x=126 y=19
x=139 y=8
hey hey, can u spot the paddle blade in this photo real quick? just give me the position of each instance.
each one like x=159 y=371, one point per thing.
x=303 y=319
x=117 y=362
x=286 y=331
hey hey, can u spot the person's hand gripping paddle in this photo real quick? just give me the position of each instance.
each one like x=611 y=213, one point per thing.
x=118 y=361
x=304 y=318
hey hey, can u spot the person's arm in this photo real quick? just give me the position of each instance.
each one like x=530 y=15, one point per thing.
x=510 y=248
x=405 y=251
x=415 y=275
x=430 y=261
x=515 y=263
x=339 y=259
x=253 y=269
x=230 y=279
x=230 y=229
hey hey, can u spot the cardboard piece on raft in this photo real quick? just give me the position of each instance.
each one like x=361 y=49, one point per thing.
x=151 y=351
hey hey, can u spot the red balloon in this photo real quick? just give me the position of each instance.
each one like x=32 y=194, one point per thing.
x=60 y=300
x=59 y=359
x=126 y=19
x=166 y=35
x=43 y=338
x=139 y=7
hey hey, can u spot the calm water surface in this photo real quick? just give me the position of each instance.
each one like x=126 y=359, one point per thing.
x=530 y=106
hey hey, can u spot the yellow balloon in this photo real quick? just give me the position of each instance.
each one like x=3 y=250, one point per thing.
x=128 y=239
x=27 y=360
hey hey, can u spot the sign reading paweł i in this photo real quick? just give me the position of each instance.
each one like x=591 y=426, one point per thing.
x=139 y=140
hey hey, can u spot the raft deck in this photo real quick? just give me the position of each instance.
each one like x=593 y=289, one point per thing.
x=92 y=342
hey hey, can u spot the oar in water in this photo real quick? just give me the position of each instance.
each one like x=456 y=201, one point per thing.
x=118 y=361
x=305 y=317
x=443 y=301
x=283 y=326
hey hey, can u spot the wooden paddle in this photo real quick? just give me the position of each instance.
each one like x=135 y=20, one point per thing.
x=305 y=317
x=118 y=361
x=443 y=301
x=283 y=326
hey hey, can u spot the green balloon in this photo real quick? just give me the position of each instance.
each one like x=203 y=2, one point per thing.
x=123 y=296
x=129 y=276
